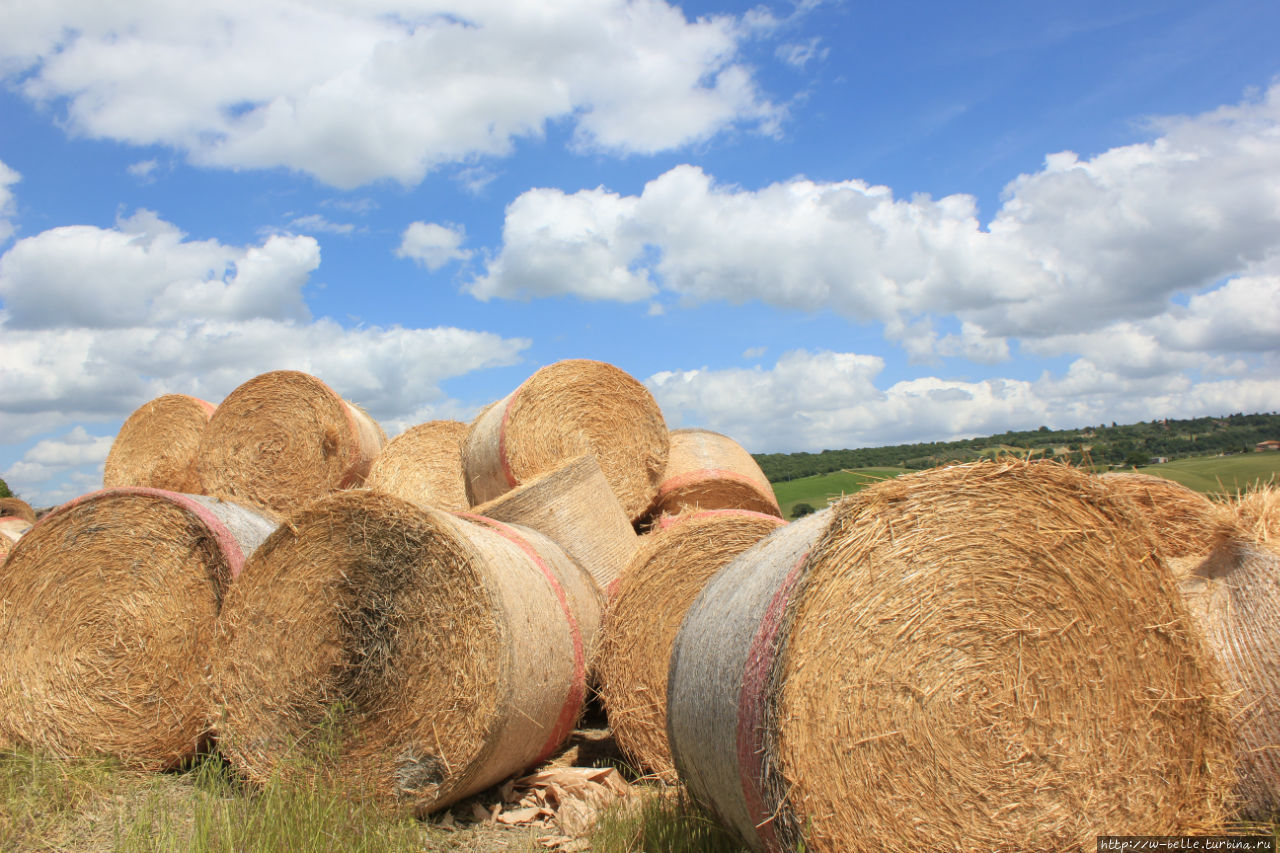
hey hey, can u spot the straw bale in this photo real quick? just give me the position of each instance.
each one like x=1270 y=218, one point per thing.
x=644 y=616
x=707 y=470
x=285 y=438
x=565 y=410
x=107 y=623
x=414 y=655
x=156 y=447
x=574 y=507
x=11 y=530
x=1257 y=509
x=987 y=656
x=17 y=508
x=423 y=465
x=1186 y=523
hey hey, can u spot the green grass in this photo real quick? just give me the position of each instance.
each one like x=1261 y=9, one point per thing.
x=669 y=823
x=818 y=490
x=1220 y=474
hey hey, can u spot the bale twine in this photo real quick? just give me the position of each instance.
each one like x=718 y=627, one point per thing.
x=156 y=447
x=575 y=508
x=108 y=615
x=285 y=438
x=988 y=656
x=1186 y=523
x=405 y=652
x=707 y=470
x=423 y=465
x=565 y=410
x=17 y=508
x=644 y=617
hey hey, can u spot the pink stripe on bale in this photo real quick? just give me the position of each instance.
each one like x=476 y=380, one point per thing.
x=688 y=478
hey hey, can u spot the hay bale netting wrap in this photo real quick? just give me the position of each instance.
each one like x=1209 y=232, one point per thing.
x=565 y=410
x=413 y=655
x=283 y=439
x=157 y=445
x=423 y=465
x=1186 y=523
x=108 y=620
x=707 y=470
x=1234 y=595
x=575 y=508
x=17 y=508
x=978 y=657
x=644 y=616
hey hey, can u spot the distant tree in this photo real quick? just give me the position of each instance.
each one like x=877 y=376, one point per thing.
x=4 y=490
x=800 y=510
x=1135 y=459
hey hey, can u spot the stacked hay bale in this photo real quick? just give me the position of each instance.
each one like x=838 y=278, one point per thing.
x=644 y=616
x=562 y=411
x=12 y=529
x=157 y=445
x=707 y=470
x=17 y=508
x=285 y=438
x=573 y=506
x=423 y=465
x=108 y=620
x=413 y=655
x=979 y=657
x=1186 y=522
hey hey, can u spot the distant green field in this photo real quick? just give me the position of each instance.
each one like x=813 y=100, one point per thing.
x=1220 y=474
x=819 y=489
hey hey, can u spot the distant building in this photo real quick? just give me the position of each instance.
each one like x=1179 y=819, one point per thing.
x=1267 y=445
x=1158 y=460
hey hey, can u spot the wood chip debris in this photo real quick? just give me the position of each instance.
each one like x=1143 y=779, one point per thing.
x=565 y=800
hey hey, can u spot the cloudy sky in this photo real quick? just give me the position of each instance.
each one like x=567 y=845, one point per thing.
x=806 y=224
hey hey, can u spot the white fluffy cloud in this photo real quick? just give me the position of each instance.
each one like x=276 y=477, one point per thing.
x=1075 y=247
x=357 y=92
x=8 y=205
x=431 y=245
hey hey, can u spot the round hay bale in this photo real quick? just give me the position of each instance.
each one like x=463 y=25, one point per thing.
x=410 y=654
x=565 y=410
x=988 y=656
x=1257 y=510
x=707 y=470
x=11 y=530
x=105 y=636
x=1234 y=594
x=1186 y=523
x=17 y=508
x=644 y=616
x=283 y=439
x=423 y=465
x=575 y=508
x=156 y=447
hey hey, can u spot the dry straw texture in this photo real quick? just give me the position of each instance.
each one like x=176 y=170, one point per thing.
x=11 y=530
x=414 y=655
x=1186 y=523
x=157 y=445
x=644 y=617
x=565 y=410
x=17 y=508
x=1258 y=511
x=985 y=656
x=575 y=508
x=108 y=616
x=285 y=438
x=1235 y=596
x=423 y=465
x=707 y=470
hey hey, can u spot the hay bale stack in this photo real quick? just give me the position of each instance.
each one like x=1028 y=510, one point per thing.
x=106 y=633
x=644 y=617
x=565 y=410
x=17 y=508
x=283 y=439
x=157 y=445
x=423 y=465
x=414 y=656
x=707 y=470
x=575 y=508
x=1186 y=523
x=977 y=657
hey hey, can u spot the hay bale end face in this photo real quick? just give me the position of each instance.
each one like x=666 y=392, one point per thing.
x=707 y=470
x=644 y=616
x=283 y=439
x=423 y=465
x=565 y=410
x=575 y=508
x=156 y=447
x=17 y=508
x=106 y=633
x=410 y=654
x=983 y=656
x=1186 y=523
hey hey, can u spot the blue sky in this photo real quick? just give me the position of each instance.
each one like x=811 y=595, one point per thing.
x=807 y=225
